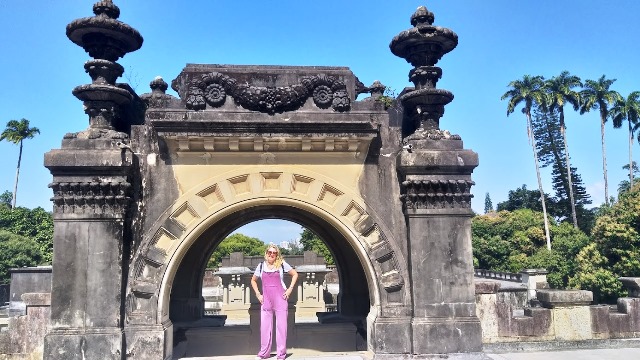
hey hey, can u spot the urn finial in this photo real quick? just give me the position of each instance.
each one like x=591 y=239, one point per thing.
x=423 y=46
x=106 y=39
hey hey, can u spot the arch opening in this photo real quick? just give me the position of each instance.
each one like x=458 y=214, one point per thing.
x=357 y=289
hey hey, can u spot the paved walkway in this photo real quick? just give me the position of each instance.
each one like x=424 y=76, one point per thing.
x=299 y=354
x=583 y=354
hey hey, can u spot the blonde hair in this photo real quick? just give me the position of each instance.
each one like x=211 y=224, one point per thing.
x=279 y=259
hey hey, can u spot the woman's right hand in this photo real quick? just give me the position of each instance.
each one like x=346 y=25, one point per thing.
x=260 y=298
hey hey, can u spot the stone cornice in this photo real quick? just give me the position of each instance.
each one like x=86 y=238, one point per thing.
x=199 y=144
x=436 y=194
x=91 y=198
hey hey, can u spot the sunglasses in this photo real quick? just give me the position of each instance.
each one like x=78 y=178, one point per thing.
x=269 y=252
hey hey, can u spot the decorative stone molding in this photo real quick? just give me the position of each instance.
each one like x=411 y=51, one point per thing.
x=203 y=147
x=212 y=89
x=90 y=197
x=235 y=188
x=436 y=194
x=158 y=98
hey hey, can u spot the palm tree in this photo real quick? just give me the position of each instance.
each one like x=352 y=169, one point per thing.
x=559 y=91
x=15 y=132
x=529 y=91
x=596 y=95
x=627 y=109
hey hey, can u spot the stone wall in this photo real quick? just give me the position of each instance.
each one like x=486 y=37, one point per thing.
x=35 y=279
x=25 y=337
x=562 y=315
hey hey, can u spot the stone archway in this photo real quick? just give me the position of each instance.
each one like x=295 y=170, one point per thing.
x=217 y=206
x=152 y=173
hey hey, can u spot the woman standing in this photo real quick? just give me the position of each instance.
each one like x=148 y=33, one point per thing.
x=274 y=299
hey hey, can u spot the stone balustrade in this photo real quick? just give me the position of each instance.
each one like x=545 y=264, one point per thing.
x=233 y=297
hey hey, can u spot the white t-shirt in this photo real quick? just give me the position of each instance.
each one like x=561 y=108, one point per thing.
x=264 y=268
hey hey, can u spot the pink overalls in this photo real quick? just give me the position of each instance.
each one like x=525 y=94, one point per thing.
x=273 y=301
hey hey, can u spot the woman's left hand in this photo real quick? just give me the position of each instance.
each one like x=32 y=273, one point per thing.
x=287 y=294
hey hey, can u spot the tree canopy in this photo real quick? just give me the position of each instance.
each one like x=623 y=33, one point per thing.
x=17 y=251
x=615 y=250
x=312 y=242
x=237 y=242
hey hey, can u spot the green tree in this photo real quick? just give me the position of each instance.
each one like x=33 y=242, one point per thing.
x=596 y=95
x=501 y=240
x=560 y=90
x=16 y=132
x=593 y=274
x=6 y=197
x=628 y=109
x=529 y=91
x=513 y=241
x=488 y=205
x=625 y=185
x=237 y=242
x=35 y=224
x=615 y=251
x=550 y=146
x=16 y=251
x=561 y=204
x=312 y=242
x=522 y=198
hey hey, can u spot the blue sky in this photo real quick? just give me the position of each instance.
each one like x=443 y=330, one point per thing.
x=500 y=40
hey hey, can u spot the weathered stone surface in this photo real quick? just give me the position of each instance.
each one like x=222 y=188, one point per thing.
x=551 y=298
x=25 y=333
x=631 y=307
x=486 y=287
x=572 y=322
x=390 y=335
x=440 y=336
x=542 y=321
x=24 y=281
x=600 y=319
x=70 y=345
x=619 y=325
x=486 y=307
x=148 y=342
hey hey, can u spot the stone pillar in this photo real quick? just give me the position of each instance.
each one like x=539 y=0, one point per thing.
x=91 y=195
x=534 y=279
x=436 y=195
x=236 y=292
x=435 y=174
x=92 y=187
x=310 y=290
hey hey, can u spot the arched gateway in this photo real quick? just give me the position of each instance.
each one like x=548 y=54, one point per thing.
x=145 y=194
